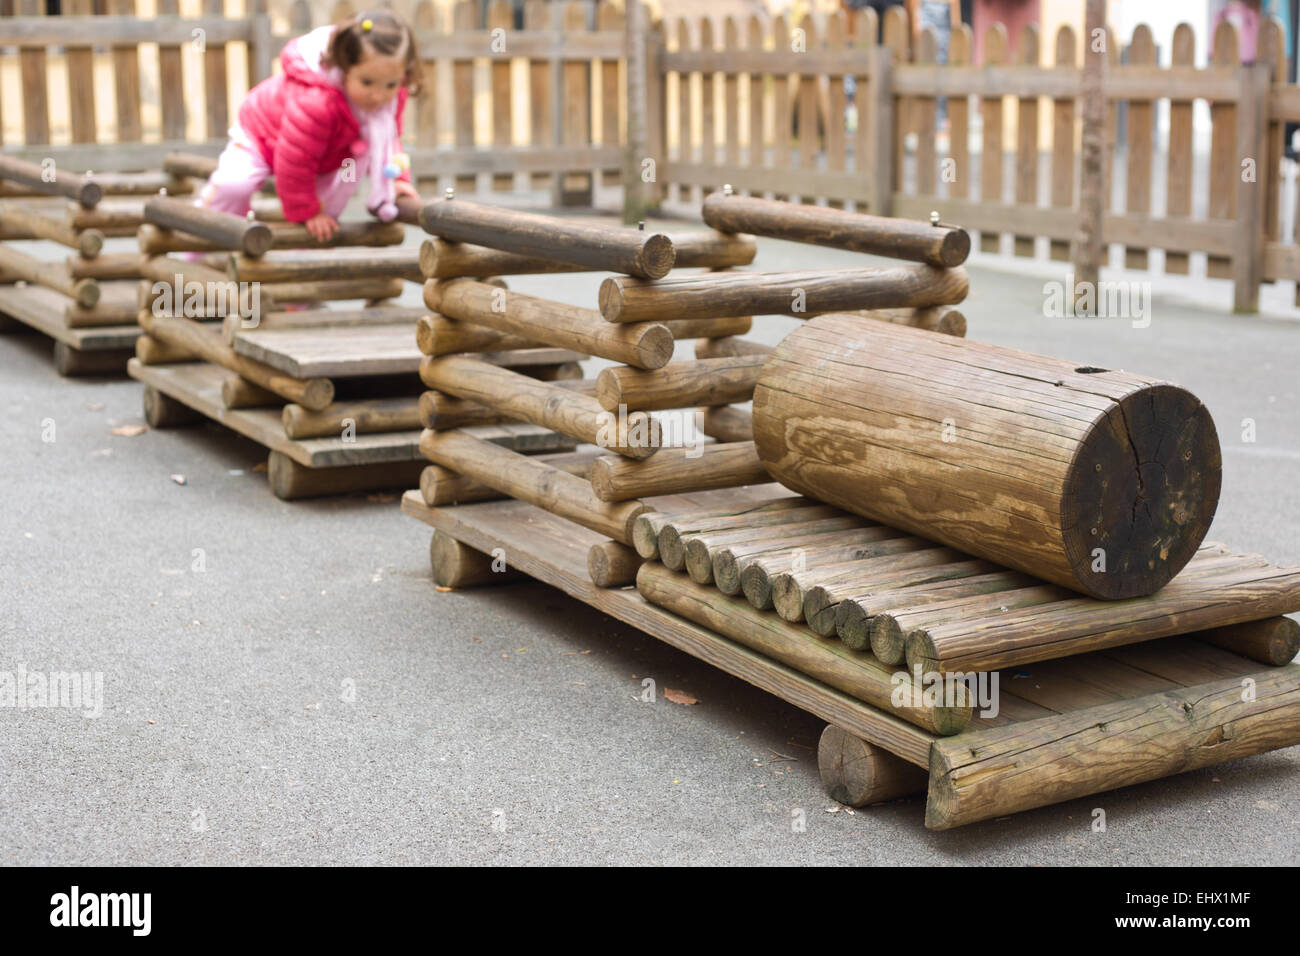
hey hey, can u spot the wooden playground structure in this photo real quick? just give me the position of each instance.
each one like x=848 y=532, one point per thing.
x=985 y=569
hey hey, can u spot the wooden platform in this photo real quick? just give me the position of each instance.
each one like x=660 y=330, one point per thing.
x=44 y=310
x=1063 y=728
x=386 y=348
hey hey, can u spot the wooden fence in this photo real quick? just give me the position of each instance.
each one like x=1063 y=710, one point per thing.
x=819 y=111
x=470 y=123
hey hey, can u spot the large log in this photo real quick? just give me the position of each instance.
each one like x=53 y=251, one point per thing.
x=26 y=223
x=547 y=404
x=718 y=381
x=800 y=294
x=1103 y=482
x=726 y=423
x=50 y=273
x=647 y=345
x=155 y=240
x=1002 y=770
x=50 y=181
x=535 y=482
x=313 y=265
x=438 y=335
x=249 y=236
x=441 y=486
x=678 y=471
x=441 y=412
x=457 y=565
x=610 y=248
x=440 y=259
x=860 y=774
x=933 y=244
x=729 y=345
x=364 y=417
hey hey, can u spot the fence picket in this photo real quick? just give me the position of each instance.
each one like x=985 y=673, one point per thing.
x=1223 y=149
x=1063 y=143
x=1178 y=177
x=991 y=158
x=1141 y=120
x=1026 y=138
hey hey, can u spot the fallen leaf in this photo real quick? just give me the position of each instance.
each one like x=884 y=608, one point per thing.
x=439 y=587
x=129 y=431
x=179 y=479
x=101 y=453
x=260 y=466
x=679 y=697
x=382 y=497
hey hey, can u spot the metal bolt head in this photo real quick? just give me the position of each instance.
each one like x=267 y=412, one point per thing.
x=641 y=225
x=449 y=193
x=934 y=217
x=727 y=190
x=162 y=190
x=249 y=215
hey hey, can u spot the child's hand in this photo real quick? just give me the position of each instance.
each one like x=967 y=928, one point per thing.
x=321 y=227
x=403 y=188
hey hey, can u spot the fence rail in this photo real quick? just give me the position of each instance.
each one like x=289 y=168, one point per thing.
x=820 y=111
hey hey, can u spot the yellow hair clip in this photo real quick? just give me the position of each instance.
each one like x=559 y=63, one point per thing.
x=367 y=24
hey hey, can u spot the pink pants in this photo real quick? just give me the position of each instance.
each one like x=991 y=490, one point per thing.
x=241 y=170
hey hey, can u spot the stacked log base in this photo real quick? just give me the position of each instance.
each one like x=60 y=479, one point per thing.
x=1088 y=724
x=307 y=467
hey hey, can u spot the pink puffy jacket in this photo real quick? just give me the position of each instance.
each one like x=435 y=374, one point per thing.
x=304 y=127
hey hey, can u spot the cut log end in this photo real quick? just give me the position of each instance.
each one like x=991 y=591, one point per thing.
x=657 y=256
x=787 y=598
x=701 y=565
x=1140 y=493
x=610 y=299
x=257 y=239
x=955 y=248
x=858 y=774
x=163 y=411
x=757 y=587
x=645 y=535
x=819 y=611
x=885 y=637
x=612 y=565
x=456 y=565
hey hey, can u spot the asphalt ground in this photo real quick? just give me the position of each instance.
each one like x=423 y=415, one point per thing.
x=283 y=684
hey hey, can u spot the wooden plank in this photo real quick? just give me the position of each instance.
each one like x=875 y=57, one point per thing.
x=959 y=172
x=1027 y=138
x=1224 y=171
x=216 y=89
x=537 y=14
x=500 y=16
x=425 y=20
x=1178 y=177
x=575 y=188
x=897 y=41
x=756 y=134
x=611 y=18
x=463 y=108
x=782 y=121
x=80 y=62
x=806 y=105
x=32 y=67
x=836 y=119
x=1251 y=184
x=126 y=75
x=171 y=81
x=731 y=97
x=924 y=107
x=708 y=118
x=43 y=309
x=555 y=551
x=685 y=151
x=370 y=349
x=1141 y=121
x=995 y=53
x=198 y=386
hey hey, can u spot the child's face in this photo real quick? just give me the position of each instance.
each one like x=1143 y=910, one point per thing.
x=373 y=82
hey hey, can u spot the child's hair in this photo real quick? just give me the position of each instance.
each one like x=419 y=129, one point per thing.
x=379 y=31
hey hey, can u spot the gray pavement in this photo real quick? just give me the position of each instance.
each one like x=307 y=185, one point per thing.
x=309 y=697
